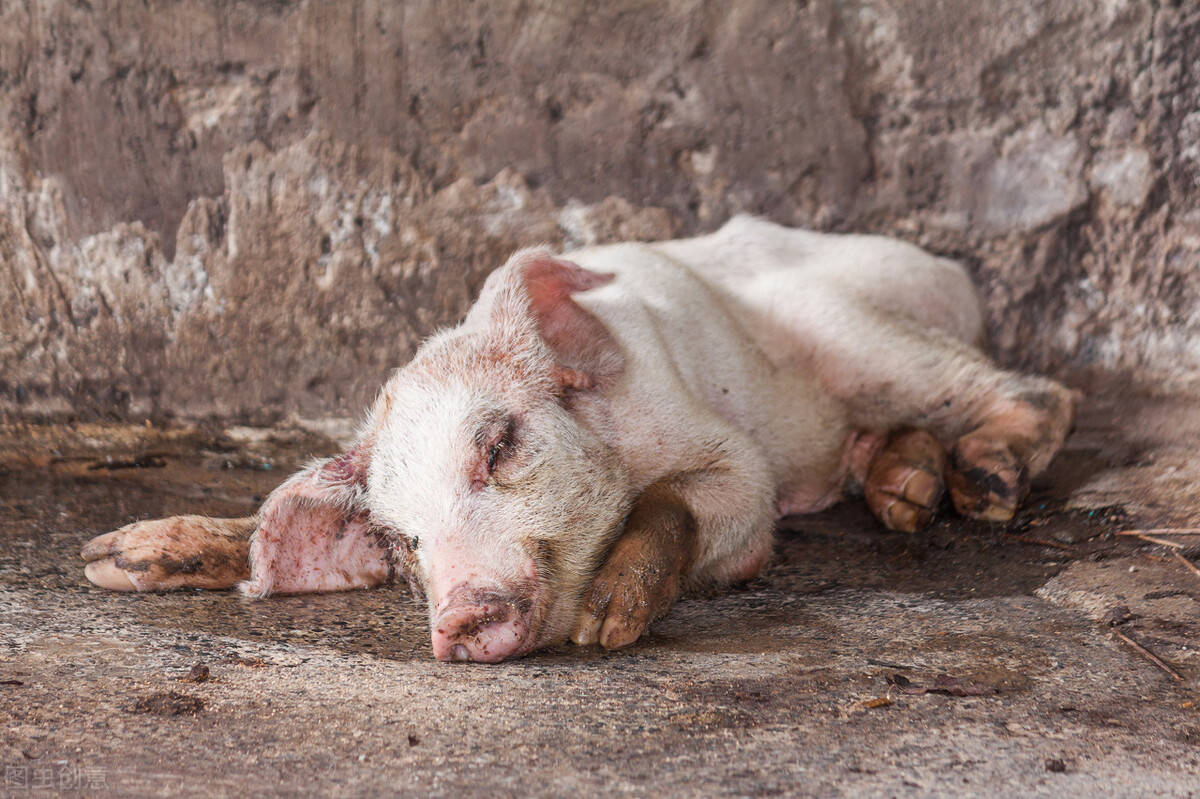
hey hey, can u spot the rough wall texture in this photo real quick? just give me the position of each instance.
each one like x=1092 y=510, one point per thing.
x=252 y=209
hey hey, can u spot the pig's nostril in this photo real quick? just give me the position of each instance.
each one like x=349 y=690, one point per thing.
x=482 y=632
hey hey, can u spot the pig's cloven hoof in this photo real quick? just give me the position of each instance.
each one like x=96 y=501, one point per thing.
x=904 y=484
x=986 y=480
x=166 y=554
x=643 y=574
x=636 y=586
x=991 y=466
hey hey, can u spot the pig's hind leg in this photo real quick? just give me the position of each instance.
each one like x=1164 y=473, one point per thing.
x=1000 y=428
x=311 y=535
x=1011 y=442
x=904 y=483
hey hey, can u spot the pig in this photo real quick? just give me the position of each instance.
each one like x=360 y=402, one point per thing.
x=611 y=426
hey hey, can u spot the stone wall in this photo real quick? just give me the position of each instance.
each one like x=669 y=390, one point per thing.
x=256 y=209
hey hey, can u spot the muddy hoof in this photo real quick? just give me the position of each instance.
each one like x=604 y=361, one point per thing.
x=986 y=480
x=904 y=484
x=643 y=574
x=166 y=554
x=107 y=574
x=634 y=588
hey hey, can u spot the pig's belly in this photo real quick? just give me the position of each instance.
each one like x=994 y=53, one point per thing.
x=805 y=437
x=807 y=497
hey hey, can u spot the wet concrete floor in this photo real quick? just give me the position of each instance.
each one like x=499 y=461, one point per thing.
x=971 y=659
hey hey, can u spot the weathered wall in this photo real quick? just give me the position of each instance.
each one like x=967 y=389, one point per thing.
x=257 y=208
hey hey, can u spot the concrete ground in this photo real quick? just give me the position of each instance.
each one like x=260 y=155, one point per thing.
x=809 y=681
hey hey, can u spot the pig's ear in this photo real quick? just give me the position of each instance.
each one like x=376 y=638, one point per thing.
x=314 y=532
x=584 y=350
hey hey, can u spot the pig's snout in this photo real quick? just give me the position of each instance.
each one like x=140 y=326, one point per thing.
x=484 y=627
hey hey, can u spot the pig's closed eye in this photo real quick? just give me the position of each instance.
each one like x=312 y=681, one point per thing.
x=493 y=451
x=499 y=447
x=494 y=454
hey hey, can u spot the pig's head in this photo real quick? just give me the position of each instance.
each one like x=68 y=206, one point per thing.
x=502 y=500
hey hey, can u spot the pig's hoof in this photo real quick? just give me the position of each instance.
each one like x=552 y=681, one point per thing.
x=165 y=554
x=641 y=578
x=986 y=480
x=904 y=484
x=630 y=592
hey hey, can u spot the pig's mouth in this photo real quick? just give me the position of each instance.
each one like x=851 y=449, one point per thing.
x=484 y=625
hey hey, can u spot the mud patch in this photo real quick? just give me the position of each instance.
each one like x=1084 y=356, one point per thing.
x=943 y=684
x=199 y=673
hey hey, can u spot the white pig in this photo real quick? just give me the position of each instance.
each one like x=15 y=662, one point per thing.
x=610 y=426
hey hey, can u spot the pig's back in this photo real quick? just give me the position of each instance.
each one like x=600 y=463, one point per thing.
x=779 y=276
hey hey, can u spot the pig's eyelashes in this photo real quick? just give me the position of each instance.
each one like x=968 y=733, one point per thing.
x=494 y=454
x=500 y=445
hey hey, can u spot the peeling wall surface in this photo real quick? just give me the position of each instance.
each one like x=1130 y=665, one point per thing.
x=256 y=209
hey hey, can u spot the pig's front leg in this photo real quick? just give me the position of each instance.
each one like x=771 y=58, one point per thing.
x=643 y=574
x=166 y=554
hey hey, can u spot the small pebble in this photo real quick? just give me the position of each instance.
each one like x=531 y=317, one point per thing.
x=199 y=673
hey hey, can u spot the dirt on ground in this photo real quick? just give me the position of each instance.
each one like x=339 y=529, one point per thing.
x=974 y=658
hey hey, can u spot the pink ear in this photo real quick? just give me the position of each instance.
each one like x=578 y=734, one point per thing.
x=549 y=280
x=314 y=532
x=585 y=350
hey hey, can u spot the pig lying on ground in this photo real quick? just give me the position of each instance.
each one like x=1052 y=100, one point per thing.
x=610 y=426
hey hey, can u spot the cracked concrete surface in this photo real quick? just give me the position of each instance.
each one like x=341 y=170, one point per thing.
x=781 y=687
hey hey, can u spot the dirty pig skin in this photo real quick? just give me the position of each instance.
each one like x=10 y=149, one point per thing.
x=611 y=426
